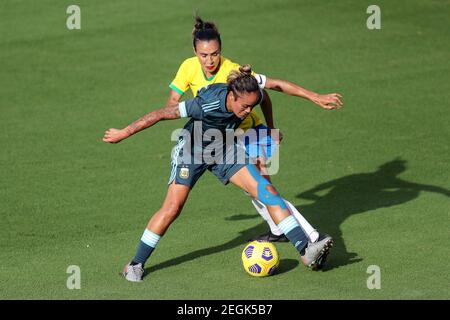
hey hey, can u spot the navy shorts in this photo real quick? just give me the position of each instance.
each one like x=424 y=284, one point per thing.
x=186 y=171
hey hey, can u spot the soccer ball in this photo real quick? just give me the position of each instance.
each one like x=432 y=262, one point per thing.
x=260 y=258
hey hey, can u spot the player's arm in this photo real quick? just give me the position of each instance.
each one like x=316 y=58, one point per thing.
x=326 y=101
x=265 y=103
x=266 y=108
x=167 y=113
x=174 y=98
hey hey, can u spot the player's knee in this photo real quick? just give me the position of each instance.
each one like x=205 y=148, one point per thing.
x=266 y=192
x=268 y=195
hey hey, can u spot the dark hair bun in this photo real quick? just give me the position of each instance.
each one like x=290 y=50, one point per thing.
x=246 y=69
x=204 y=31
x=199 y=24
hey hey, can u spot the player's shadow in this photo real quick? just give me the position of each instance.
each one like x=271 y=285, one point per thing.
x=346 y=196
x=336 y=200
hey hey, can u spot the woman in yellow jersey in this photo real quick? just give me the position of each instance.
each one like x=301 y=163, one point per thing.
x=217 y=108
x=207 y=67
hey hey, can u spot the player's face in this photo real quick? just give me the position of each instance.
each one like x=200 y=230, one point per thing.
x=241 y=105
x=208 y=53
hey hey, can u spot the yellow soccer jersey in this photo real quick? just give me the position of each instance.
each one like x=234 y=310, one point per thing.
x=190 y=76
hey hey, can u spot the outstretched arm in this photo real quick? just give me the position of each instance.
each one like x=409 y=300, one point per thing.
x=423 y=187
x=167 y=113
x=266 y=107
x=325 y=101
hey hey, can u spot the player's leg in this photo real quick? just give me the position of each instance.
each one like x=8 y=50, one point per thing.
x=182 y=179
x=176 y=197
x=277 y=235
x=249 y=179
x=173 y=204
x=260 y=146
x=274 y=234
x=254 y=146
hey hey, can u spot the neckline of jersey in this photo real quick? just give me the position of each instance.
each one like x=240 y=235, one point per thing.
x=215 y=74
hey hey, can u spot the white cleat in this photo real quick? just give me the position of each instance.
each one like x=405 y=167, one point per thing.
x=133 y=273
x=316 y=252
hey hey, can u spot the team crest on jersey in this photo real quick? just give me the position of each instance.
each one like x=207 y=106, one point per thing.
x=184 y=173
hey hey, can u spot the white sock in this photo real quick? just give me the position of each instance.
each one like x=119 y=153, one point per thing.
x=307 y=228
x=262 y=210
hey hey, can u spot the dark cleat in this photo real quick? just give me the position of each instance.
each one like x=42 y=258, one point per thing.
x=270 y=237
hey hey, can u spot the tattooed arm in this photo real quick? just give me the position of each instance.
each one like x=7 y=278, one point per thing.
x=116 y=135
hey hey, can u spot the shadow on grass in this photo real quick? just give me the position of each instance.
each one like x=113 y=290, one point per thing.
x=344 y=197
x=356 y=194
x=243 y=238
x=239 y=217
x=286 y=265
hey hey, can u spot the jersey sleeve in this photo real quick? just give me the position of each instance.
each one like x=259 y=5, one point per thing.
x=261 y=80
x=181 y=82
x=191 y=108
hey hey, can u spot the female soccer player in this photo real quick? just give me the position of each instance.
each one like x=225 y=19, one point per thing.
x=216 y=108
x=208 y=67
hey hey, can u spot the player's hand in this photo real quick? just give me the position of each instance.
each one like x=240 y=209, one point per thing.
x=115 y=135
x=328 y=101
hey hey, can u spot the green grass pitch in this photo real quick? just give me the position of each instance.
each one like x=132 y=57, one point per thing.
x=375 y=174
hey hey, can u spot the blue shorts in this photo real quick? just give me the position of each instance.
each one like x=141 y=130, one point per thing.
x=186 y=172
x=258 y=142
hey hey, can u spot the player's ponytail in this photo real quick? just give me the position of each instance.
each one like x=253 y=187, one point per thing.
x=204 y=31
x=242 y=81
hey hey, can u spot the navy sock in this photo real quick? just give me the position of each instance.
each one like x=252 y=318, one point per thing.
x=145 y=248
x=293 y=231
x=143 y=252
x=298 y=239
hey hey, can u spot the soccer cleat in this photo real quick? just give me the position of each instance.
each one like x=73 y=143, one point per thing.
x=270 y=237
x=321 y=261
x=133 y=273
x=316 y=253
